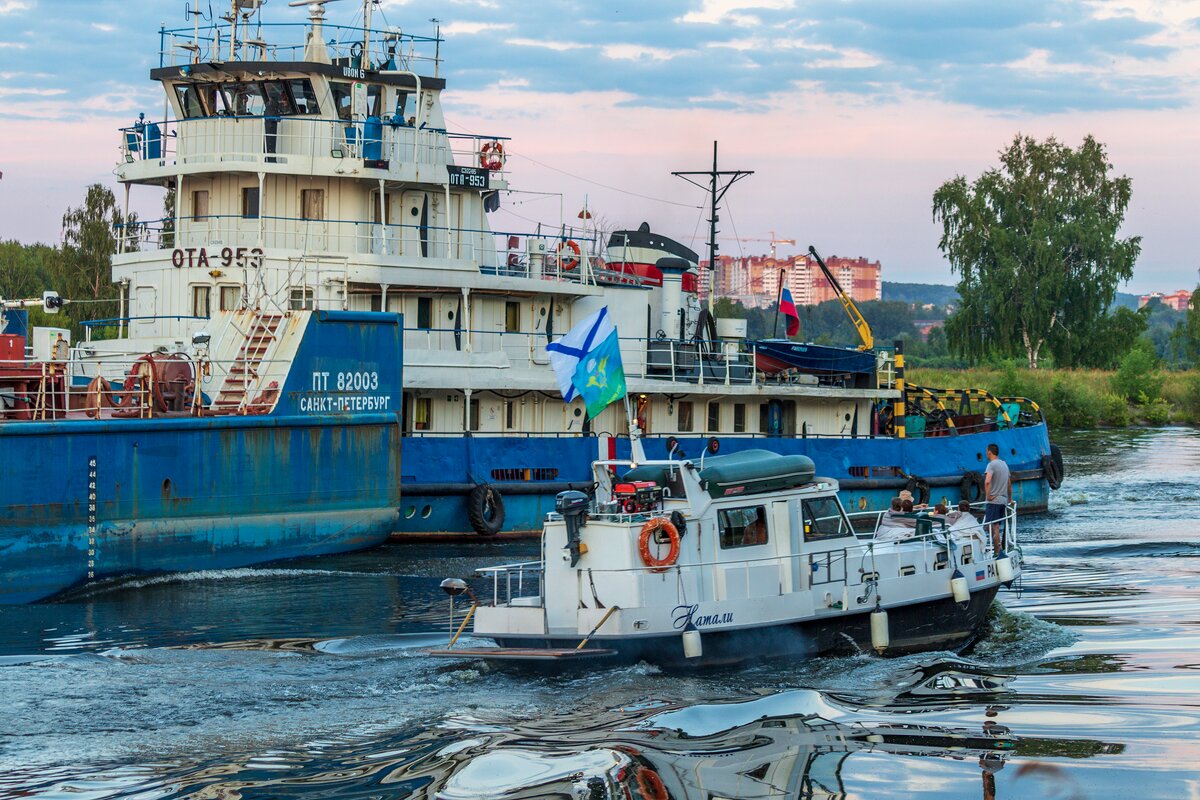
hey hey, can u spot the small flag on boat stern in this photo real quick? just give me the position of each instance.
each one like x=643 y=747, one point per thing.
x=787 y=307
x=587 y=363
x=978 y=574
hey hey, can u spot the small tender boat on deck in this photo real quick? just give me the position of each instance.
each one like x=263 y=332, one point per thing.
x=734 y=558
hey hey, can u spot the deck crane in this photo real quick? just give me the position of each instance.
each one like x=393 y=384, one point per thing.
x=860 y=323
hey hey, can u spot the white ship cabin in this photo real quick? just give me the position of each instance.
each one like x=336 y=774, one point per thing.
x=312 y=167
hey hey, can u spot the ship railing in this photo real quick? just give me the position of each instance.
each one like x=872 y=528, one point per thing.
x=257 y=139
x=518 y=580
x=386 y=49
x=96 y=384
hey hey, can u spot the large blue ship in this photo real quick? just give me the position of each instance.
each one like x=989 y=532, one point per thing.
x=250 y=406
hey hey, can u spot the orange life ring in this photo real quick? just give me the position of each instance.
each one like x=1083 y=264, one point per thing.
x=491 y=156
x=648 y=530
x=573 y=261
x=649 y=785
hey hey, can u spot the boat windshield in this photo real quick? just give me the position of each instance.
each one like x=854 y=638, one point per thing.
x=823 y=519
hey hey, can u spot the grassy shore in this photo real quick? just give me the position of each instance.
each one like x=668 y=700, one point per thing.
x=1083 y=398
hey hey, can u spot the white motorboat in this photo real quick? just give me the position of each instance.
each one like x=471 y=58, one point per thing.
x=736 y=557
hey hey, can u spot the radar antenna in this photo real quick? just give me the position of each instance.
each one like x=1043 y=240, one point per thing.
x=316 y=18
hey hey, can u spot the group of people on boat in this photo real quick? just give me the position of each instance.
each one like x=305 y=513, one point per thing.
x=900 y=521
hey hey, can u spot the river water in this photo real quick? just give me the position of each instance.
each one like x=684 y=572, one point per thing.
x=309 y=681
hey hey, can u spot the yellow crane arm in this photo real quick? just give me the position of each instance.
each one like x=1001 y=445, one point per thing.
x=860 y=323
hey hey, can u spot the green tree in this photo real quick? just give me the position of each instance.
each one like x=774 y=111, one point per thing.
x=1185 y=339
x=90 y=238
x=1035 y=245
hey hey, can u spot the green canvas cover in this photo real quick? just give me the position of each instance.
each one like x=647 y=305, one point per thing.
x=754 y=472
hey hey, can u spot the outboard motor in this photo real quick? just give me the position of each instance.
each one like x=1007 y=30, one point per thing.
x=573 y=507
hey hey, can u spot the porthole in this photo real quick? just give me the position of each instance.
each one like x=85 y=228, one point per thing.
x=410 y=512
x=426 y=511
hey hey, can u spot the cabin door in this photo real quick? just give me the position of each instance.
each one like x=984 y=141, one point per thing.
x=775 y=418
x=786 y=545
x=416 y=222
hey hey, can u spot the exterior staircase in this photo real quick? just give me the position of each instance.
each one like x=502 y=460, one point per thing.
x=243 y=375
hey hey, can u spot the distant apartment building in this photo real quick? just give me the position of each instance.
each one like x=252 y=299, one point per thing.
x=754 y=280
x=1180 y=301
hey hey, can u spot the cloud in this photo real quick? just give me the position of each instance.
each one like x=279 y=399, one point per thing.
x=462 y=28
x=13 y=6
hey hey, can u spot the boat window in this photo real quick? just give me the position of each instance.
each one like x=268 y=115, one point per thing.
x=374 y=100
x=425 y=312
x=231 y=297
x=250 y=202
x=402 y=106
x=714 y=416
x=279 y=101
x=686 y=411
x=312 y=204
x=512 y=317
x=343 y=99
x=190 y=101
x=303 y=96
x=248 y=100
x=200 y=296
x=216 y=102
x=301 y=299
x=742 y=527
x=739 y=417
x=422 y=413
x=823 y=519
x=200 y=204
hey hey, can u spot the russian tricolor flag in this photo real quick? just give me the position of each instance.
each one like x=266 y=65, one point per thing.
x=787 y=307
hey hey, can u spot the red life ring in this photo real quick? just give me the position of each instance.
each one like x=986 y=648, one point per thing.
x=572 y=246
x=491 y=156
x=649 y=785
x=648 y=530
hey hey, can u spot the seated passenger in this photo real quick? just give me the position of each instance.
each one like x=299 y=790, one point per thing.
x=962 y=518
x=893 y=526
x=756 y=532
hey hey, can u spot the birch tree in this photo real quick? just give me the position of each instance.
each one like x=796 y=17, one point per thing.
x=1035 y=245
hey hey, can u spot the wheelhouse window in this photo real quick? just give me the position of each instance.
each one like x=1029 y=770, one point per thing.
x=374 y=100
x=343 y=99
x=742 y=527
x=686 y=410
x=312 y=204
x=200 y=301
x=279 y=100
x=303 y=96
x=714 y=416
x=823 y=519
x=250 y=202
x=248 y=100
x=191 y=101
x=200 y=204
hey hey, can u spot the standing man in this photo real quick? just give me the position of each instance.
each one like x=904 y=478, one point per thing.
x=996 y=483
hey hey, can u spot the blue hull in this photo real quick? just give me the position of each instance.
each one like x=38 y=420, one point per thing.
x=85 y=500
x=441 y=470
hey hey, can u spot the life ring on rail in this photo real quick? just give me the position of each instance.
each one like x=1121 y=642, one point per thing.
x=649 y=785
x=972 y=487
x=571 y=246
x=652 y=527
x=485 y=509
x=491 y=156
x=920 y=491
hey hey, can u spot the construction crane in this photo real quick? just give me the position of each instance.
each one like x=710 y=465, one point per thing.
x=860 y=323
x=773 y=241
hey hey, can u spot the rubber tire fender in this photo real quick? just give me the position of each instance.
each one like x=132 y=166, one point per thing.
x=920 y=489
x=1056 y=456
x=479 y=500
x=680 y=522
x=1052 y=471
x=972 y=489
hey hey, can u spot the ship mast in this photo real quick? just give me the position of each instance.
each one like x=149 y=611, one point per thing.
x=717 y=185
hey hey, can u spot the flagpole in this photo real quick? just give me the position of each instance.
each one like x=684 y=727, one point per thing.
x=778 y=302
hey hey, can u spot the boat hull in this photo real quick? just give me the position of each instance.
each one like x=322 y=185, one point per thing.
x=529 y=471
x=938 y=624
